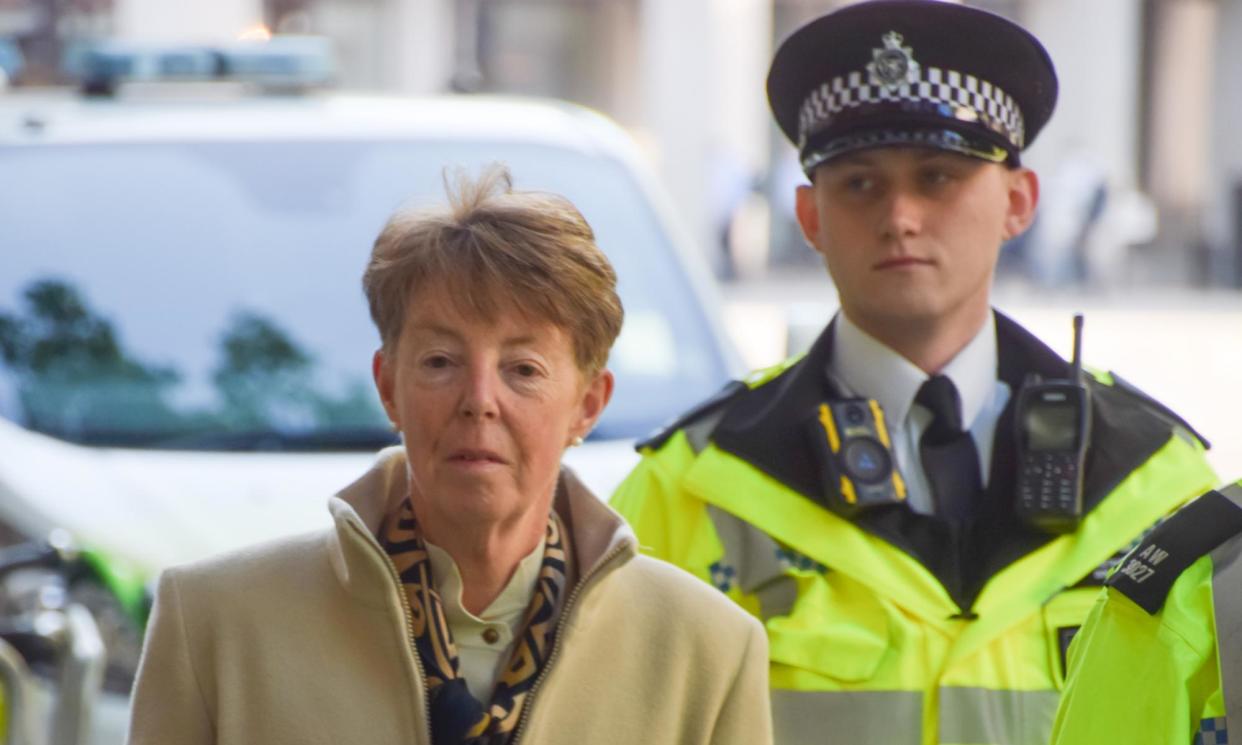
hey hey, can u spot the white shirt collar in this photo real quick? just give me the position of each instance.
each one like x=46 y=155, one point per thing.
x=870 y=369
x=510 y=605
x=974 y=370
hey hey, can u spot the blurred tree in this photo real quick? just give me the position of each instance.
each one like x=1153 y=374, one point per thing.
x=268 y=382
x=74 y=379
x=263 y=377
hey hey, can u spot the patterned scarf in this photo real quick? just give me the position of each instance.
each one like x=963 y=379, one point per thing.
x=457 y=718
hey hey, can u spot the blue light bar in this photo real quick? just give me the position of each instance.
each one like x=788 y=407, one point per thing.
x=280 y=62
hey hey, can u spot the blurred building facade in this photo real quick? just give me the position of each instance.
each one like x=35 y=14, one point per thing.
x=1141 y=164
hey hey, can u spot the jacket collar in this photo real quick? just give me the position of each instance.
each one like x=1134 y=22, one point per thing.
x=596 y=531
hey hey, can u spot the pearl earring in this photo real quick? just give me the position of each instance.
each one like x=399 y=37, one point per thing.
x=575 y=442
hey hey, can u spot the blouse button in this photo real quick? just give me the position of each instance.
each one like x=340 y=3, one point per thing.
x=490 y=635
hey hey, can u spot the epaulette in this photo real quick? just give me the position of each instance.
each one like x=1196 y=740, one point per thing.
x=1148 y=572
x=721 y=397
x=1158 y=408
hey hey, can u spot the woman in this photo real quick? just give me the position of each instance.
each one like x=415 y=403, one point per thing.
x=471 y=590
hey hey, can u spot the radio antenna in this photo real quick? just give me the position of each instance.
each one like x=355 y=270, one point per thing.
x=1076 y=362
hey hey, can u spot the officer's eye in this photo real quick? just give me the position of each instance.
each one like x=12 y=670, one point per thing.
x=436 y=361
x=935 y=176
x=858 y=183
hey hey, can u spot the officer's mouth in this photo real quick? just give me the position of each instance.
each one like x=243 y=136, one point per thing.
x=901 y=262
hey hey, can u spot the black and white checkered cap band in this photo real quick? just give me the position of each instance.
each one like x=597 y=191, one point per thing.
x=940 y=139
x=967 y=99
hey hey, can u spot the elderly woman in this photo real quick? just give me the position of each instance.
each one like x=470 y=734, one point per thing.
x=472 y=590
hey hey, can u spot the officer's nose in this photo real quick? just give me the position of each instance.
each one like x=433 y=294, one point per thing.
x=901 y=214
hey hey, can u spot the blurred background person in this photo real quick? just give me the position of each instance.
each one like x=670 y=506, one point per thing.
x=1075 y=196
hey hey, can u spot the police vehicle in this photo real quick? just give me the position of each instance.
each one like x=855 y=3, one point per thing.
x=184 y=345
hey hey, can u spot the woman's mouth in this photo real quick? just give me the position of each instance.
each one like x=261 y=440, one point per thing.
x=473 y=457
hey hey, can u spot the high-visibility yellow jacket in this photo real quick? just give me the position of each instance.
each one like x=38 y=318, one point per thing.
x=1159 y=659
x=892 y=627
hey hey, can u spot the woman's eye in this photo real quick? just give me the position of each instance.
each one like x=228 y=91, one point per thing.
x=525 y=370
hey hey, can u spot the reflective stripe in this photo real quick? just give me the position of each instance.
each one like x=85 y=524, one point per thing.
x=1227 y=596
x=777 y=598
x=847 y=717
x=758 y=563
x=975 y=716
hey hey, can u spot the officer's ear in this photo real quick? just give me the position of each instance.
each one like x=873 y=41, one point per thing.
x=808 y=214
x=1023 y=199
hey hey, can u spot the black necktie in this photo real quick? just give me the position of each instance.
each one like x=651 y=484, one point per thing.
x=948 y=453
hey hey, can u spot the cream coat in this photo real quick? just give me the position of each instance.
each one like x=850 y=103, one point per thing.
x=305 y=642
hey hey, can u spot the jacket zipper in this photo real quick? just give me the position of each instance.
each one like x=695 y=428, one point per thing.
x=409 y=625
x=588 y=579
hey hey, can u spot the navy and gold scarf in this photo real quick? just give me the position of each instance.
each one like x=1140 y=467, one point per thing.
x=457 y=718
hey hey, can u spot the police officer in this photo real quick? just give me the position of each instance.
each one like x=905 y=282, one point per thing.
x=926 y=603
x=1160 y=657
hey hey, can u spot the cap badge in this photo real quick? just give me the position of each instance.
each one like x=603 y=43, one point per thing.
x=894 y=64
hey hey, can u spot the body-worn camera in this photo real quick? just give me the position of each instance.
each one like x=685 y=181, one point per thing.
x=851 y=443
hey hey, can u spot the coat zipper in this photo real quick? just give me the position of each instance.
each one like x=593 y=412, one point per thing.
x=588 y=579
x=556 y=642
x=409 y=625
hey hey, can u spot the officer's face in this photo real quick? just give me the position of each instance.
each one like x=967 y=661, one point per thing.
x=911 y=236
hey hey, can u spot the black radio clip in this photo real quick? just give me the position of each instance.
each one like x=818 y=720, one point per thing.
x=1053 y=423
x=851 y=444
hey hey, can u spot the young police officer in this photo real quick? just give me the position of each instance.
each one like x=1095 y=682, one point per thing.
x=1160 y=657
x=931 y=603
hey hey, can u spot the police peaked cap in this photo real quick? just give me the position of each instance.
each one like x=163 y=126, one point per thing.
x=922 y=73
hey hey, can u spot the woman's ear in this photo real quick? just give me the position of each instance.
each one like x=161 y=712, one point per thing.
x=382 y=373
x=595 y=397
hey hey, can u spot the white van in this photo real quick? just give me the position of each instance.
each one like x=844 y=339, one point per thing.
x=184 y=344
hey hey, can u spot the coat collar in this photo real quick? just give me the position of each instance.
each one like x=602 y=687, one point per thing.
x=596 y=531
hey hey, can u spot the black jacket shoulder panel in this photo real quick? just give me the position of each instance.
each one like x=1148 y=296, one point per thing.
x=1156 y=407
x=713 y=403
x=1147 y=574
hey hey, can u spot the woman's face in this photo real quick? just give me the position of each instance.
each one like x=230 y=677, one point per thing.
x=486 y=409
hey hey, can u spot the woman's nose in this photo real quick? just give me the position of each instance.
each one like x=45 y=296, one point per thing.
x=479 y=397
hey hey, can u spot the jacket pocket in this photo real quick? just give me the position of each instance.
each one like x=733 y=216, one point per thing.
x=837 y=628
x=1062 y=616
x=817 y=620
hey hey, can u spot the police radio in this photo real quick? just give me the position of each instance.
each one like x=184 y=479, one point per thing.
x=1053 y=419
x=852 y=446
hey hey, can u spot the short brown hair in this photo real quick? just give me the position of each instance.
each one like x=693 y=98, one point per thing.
x=492 y=245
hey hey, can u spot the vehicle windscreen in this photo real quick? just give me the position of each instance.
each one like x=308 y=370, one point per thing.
x=207 y=295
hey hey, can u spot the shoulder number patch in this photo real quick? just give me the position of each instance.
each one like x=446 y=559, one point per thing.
x=1147 y=574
